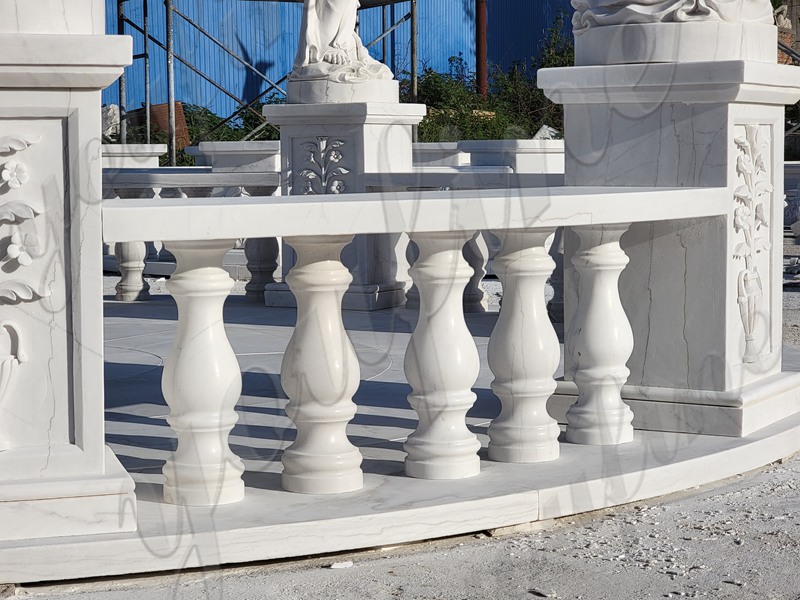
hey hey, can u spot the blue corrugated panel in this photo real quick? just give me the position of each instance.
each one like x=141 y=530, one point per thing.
x=516 y=28
x=265 y=34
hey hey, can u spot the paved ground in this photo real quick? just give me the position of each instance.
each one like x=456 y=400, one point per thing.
x=737 y=539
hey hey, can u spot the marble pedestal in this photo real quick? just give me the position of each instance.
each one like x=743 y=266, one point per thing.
x=327 y=149
x=57 y=477
x=703 y=296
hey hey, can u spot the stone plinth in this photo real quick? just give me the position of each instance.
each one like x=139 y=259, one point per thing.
x=675 y=43
x=524 y=156
x=703 y=296
x=241 y=157
x=327 y=149
x=132 y=156
x=56 y=475
x=441 y=154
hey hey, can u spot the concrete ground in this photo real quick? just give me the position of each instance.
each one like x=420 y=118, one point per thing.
x=739 y=538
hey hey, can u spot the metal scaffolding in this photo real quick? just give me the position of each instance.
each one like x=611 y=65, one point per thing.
x=168 y=46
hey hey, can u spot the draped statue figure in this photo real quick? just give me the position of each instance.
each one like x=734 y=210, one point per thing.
x=592 y=13
x=330 y=48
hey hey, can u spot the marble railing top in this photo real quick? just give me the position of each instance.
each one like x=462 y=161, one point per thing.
x=465 y=178
x=185 y=219
x=514 y=146
x=190 y=177
x=134 y=150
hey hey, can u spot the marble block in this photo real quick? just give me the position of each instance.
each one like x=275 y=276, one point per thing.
x=322 y=91
x=50 y=16
x=438 y=154
x=242 y=157
x=524 y=156
x=703 y=296
x=676 y=43
x=56 y=475
x=132 y=156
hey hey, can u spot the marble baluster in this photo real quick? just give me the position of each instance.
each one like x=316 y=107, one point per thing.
x=599 y=341
x=523 y=353
x=441 y=363
x=555 y=307
x=262 y=262
x=476 y=253
x=202 y=381
x=130 y=262
x=320 y=373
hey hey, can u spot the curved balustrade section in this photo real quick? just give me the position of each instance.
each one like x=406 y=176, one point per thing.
x=320 y=371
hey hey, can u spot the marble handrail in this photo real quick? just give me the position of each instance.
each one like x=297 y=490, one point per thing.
x=186 y=219
x=320 y=371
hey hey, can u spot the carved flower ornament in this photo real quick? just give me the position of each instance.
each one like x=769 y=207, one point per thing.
x=24 y=249
x=15 y=174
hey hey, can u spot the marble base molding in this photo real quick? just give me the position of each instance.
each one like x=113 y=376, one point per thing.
x=734 y=413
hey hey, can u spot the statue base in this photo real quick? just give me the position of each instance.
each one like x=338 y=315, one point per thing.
x=676 y=43
x=323 y=91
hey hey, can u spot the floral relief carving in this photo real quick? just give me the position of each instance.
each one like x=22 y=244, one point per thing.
x=22 y=248
x=12 y=354
x=16 y=143
x=752 y=192
x=323 y=173
x=15 y=174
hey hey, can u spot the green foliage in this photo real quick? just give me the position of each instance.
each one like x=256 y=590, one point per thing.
x=514 y=108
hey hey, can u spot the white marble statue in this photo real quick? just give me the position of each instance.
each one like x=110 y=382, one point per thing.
x=592 y=13
x=330 y=48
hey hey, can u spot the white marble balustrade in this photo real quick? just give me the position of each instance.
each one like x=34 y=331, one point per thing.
x=320 y=371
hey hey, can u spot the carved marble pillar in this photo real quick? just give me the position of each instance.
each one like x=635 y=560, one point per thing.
x=524 y=353
x=700 y=294
x=202 y=381
x=320 y=373
x=441 y=363
x=599 y=341
x=57 y=475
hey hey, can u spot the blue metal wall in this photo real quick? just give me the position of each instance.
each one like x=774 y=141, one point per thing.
x=265 y=33
x=516 y=28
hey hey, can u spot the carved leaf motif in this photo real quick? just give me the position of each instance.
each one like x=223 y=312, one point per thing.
x=761 y=243
x=308 y=174
x=310 y=146
x=742 y=143
x=17 y=143
x=337 y=144
x=12 y=292
x=339 y=171
x=742 y=193
x=762 y=187
x=741 y=250
x=16 y=212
